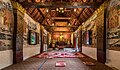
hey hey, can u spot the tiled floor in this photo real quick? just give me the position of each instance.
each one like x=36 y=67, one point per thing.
x=49 y=64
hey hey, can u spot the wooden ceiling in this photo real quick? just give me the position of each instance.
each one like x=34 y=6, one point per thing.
x=49 y=14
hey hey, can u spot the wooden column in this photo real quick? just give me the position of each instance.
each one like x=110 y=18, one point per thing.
x=18 y=36
x=47 y=39
x=101 y=36
x=80 y=39
x=41 y=31
x=74 y=40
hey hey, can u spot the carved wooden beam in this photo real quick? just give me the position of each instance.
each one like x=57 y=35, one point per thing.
x=59 y=26
x=61 y=4
x=62 y=18
x=62 y=31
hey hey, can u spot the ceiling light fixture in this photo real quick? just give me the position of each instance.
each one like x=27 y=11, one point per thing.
x=47 y=10
x=57 y=9
x=53 y=24
x=37 y=0
x=60 y=10
x=69 y=24
x=75 y=10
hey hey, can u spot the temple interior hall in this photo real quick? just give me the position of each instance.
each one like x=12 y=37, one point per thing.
x=59 y=34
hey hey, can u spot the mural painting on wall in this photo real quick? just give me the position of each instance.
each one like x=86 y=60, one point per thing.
x=89 y=32
x=31 y=26
x=114 y=25
x=6 y=25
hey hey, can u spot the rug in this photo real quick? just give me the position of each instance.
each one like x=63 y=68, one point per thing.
x=57 y=54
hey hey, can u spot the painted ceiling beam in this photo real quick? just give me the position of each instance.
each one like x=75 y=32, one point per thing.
x=59 y=26
x=61 y=18
x=61 y=4
x=61 y=31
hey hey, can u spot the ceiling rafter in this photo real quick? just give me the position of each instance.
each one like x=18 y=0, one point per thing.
x=32 y=15
x=44 y=22
x=74 y=22
x=87 y=13
x=41 y=20
x=41 y=15
x=92 y=10
x=84 y=14
x=61 y=31
x=35 y=12
x=89 y=10
x=60 y=26
x=37 y=16
x=30 y=10
x=48 y=21
x=81 y=13
x=40 y=12
x=83 y=17
x=33 y=9
x=80 y=21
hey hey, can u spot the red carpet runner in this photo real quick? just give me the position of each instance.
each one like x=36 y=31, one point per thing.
x=62 y=54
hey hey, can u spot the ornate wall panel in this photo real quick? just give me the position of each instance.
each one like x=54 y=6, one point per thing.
x=34 y=26
x=6 y=25
x=114 y=25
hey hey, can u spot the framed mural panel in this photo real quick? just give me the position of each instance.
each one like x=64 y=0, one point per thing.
x=113 y=34
x=6 y=25
x=32 y=38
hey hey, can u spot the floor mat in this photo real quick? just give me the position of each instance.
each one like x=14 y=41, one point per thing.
x=58 y=54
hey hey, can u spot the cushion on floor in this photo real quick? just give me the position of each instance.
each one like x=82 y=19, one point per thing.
x=60 y=64
x=89 y=63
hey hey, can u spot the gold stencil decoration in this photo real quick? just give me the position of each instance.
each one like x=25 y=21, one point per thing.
x=113 y=15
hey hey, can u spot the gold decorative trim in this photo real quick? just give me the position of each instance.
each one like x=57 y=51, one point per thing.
x=17 y=6
x=95 y=14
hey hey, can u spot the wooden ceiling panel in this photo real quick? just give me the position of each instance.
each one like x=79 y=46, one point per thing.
x=34 y=13
x=92 y=10
x=37 y=16
x=82 y=18
x=43 y=10
x=30 y=10
x=53 y=14
x=88 y=12
x=82 y=13
x=61 y=23
x=61 y=29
